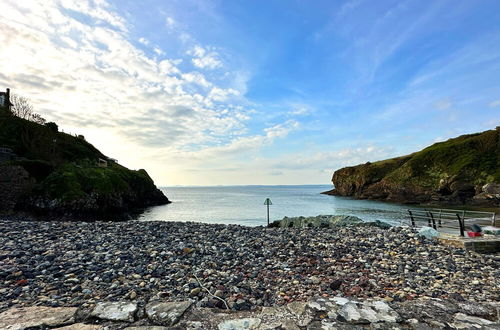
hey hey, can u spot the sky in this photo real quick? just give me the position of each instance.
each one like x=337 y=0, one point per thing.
x=229 y=92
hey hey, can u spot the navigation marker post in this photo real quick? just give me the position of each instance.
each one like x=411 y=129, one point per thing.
x=268 y=202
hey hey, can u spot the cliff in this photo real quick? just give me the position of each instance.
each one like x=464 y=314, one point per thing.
x=50 y=172
x=461 y=171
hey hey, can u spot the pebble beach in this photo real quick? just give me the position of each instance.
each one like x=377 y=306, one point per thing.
x=80 y=263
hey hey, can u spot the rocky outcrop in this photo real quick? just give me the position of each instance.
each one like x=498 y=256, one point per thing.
x=460 y=171
x=53 y=173
x=327 y=221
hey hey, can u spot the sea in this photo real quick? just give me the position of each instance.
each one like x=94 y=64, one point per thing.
x=244 y=205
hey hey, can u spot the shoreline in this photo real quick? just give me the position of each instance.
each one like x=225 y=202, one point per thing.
x=62 y=264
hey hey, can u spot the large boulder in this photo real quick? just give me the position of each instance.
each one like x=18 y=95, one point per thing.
x=36 y=317
x=115 y=311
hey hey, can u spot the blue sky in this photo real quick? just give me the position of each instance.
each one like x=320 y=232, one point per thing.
x=256 y=92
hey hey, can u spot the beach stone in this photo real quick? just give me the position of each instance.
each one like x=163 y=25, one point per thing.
x=297 y=307
x=240 y=324
x=81 y=326
x=40 y=316
x=369 y=311
x=115 y=311
x=166 y=313
x=463 y=321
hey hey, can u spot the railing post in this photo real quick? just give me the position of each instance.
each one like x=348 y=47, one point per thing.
x=433 y=221
x=412 y=219
x=493 y=219
x=440 y=214
x=428 y=219
x=462 y=226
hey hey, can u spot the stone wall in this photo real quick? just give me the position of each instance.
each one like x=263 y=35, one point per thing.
x=14 y=182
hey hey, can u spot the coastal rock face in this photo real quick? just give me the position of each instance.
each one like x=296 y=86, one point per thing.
x=326 y=221
x=463 y=170
x=50 y=172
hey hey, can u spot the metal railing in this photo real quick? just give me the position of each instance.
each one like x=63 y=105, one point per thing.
x=449 y=218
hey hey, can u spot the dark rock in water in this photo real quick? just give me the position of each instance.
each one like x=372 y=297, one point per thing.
x=327 y=221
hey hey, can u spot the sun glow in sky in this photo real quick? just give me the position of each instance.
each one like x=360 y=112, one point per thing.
x=202 y=92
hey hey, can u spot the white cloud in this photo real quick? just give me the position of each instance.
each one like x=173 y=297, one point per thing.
x=220 y=94
x=144 y=41
x=158 y=50
x=92 y=80
x=170 y=22
x=300 y=111
x=205 y=58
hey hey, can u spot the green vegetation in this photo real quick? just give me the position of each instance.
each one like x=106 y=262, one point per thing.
x=452 y=172
x=65 y=171
x=473 y=158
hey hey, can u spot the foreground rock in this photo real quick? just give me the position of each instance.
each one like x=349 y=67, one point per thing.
x=317 y=313
x=63 y=264
x=166 y=313
x=31 y=317
x=327 y=221
x=115 y=311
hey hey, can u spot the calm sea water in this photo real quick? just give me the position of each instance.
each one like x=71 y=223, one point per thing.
x=245 y=205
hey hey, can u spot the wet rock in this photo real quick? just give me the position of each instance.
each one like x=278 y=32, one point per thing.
x=30 y=317
x=166 y=313
x=115 y=311
x=240 y=324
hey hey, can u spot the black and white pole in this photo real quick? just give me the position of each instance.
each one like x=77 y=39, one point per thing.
x=268 y=202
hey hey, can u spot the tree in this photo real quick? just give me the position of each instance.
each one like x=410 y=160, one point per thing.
x=53 y=127
x=22 y=108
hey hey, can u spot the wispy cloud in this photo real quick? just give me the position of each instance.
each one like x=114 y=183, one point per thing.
x=205 y=58
x=494 y=104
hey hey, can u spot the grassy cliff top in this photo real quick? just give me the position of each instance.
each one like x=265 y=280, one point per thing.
x=472 y=158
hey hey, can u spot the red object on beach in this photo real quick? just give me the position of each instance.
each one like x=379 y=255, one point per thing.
x=473 y=234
